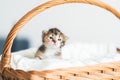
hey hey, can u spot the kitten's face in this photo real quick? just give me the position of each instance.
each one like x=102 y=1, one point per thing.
x=54 y=38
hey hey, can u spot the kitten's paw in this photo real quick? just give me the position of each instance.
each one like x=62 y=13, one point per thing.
x=39 y=57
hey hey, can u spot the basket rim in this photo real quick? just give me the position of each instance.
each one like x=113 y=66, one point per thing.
x=6 y=54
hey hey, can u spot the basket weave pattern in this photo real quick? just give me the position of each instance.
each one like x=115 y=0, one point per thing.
x=109 y=71
x=105 y=71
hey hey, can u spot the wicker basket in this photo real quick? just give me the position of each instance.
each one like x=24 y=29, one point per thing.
x=105 y=71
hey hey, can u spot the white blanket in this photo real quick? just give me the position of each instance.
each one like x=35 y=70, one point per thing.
x=77 y=54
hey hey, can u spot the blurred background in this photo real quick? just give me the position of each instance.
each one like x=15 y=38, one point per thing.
x=80 y=22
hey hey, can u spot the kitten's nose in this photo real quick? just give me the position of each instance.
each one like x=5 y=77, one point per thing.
x=54 y=41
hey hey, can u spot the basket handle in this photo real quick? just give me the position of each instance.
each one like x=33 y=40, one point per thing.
x=6 y=55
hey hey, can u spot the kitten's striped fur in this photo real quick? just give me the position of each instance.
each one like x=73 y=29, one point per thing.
x=52 y=40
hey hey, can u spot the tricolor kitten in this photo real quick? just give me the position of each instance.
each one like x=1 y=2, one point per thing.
x=52 y=42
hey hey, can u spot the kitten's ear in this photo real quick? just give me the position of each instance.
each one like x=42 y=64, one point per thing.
x=66 y=37
x=44 y=33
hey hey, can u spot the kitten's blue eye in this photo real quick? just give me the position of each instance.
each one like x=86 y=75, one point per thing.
x=59 y=39
x=50 y=37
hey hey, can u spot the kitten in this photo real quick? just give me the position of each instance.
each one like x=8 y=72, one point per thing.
x=52 y=42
